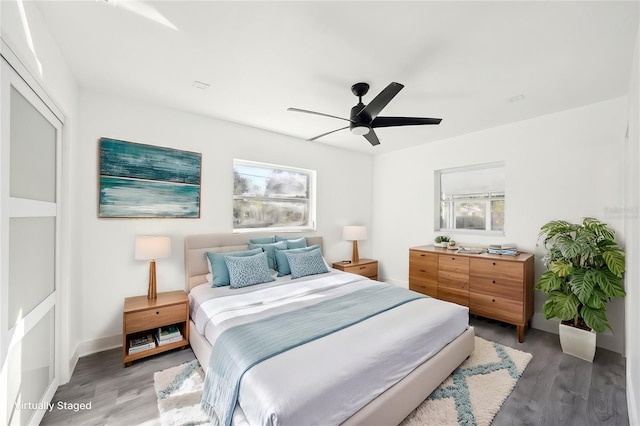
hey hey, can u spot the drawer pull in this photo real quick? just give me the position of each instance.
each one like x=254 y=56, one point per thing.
x=494 y=263
x=494 y=281
x=493 y=300
x=422 y=255
x=422 y=270
x=363 y=267
x=453 y=258
x=157 y=312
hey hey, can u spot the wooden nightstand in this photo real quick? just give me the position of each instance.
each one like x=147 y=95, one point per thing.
x=365 y=267
x=143 y=316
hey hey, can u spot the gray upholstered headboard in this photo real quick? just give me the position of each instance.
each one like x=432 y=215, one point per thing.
x=195 y=247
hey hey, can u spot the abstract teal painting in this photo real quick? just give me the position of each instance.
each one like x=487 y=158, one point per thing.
x=146 y=181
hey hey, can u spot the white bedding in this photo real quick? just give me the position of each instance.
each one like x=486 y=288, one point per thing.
x=329 y=379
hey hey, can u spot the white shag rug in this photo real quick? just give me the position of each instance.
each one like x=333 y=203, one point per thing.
x=179 y=390
x=471 y=395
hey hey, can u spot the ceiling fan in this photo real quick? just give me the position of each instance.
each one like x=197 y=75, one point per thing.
x=364 y=118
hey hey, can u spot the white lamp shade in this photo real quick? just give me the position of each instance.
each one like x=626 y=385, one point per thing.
x=354 y=233
x=152 y=247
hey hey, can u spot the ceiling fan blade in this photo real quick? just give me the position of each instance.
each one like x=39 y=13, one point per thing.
x=379 y=102
x=328 y=133
x=372 y=138
x=317 y=113
x=403 y=121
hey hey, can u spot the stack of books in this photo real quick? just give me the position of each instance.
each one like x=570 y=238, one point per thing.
x=141 y=343
x=506 y=249
x=169 y=334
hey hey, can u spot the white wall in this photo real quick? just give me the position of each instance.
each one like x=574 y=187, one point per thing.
x=561 y=166
x=97 y=259
x=108 y=271
x=632 y=237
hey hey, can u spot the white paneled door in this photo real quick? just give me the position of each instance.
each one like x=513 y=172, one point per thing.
x=30 y=147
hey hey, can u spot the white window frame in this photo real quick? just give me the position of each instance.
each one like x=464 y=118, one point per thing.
x=311 y=223
x=467 y=196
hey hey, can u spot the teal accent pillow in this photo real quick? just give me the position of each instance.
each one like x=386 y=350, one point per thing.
x=282 y=264
x=297 y=243
x=219 y=267
x=248 y=270
x=293 y=243
x=263 y=240
x=306 y=263
x=270 y=249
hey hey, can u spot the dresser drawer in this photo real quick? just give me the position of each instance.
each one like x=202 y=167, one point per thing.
x=424 y=287
x=452 y=263
x=152 y=318
x=461 y=297
x=497 y=286
x=453 y=280
x=368 y=270
x=491 y=268
x=499 y=308
x=427 y=261
x=419 y=272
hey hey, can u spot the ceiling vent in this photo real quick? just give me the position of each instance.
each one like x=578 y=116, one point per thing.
x=200 y=85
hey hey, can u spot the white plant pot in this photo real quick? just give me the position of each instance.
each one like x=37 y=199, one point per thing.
x=577 y=342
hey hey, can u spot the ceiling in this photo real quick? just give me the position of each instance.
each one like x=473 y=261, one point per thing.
x=476 y=64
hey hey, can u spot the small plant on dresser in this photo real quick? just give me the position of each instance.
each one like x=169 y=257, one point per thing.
x=441 y=241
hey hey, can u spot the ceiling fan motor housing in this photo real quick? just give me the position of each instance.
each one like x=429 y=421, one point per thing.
x=359 y=122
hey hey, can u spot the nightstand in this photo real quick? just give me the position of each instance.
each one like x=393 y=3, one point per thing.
x=142 y=316
x=365 y=267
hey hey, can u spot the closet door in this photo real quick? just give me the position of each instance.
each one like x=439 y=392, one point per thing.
x=29 y=190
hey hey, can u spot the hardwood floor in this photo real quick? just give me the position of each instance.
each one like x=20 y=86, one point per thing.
x=559 y=389
x=118 y=395
x=555 y=389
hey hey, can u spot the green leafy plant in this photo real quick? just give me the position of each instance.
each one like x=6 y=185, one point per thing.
x=441 y=239
x=584 y=271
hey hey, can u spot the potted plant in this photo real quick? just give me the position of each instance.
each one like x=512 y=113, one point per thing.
x=584 y=271
x=441 y=241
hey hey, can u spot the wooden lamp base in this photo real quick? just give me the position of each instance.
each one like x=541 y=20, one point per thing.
x=355 y=258
x=152 y=292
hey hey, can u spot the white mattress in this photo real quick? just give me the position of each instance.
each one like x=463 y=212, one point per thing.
x=327 y=380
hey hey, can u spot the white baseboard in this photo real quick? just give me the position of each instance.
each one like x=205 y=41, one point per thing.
x=605 y=340
x=72 y=365
x=89 y=347
x=539 y=322
x=632 y=401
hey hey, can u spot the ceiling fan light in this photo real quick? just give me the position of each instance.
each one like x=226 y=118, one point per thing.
x=360 y=130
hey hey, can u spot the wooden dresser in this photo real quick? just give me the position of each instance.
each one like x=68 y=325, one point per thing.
x=492 y=286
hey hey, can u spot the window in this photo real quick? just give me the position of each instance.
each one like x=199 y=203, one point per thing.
x=471 y=199
x=266 y=196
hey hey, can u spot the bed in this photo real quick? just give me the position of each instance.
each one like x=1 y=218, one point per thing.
x=361 y=374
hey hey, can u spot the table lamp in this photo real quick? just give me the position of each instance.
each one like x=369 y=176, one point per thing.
x=354 y=233
x=152 y=248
